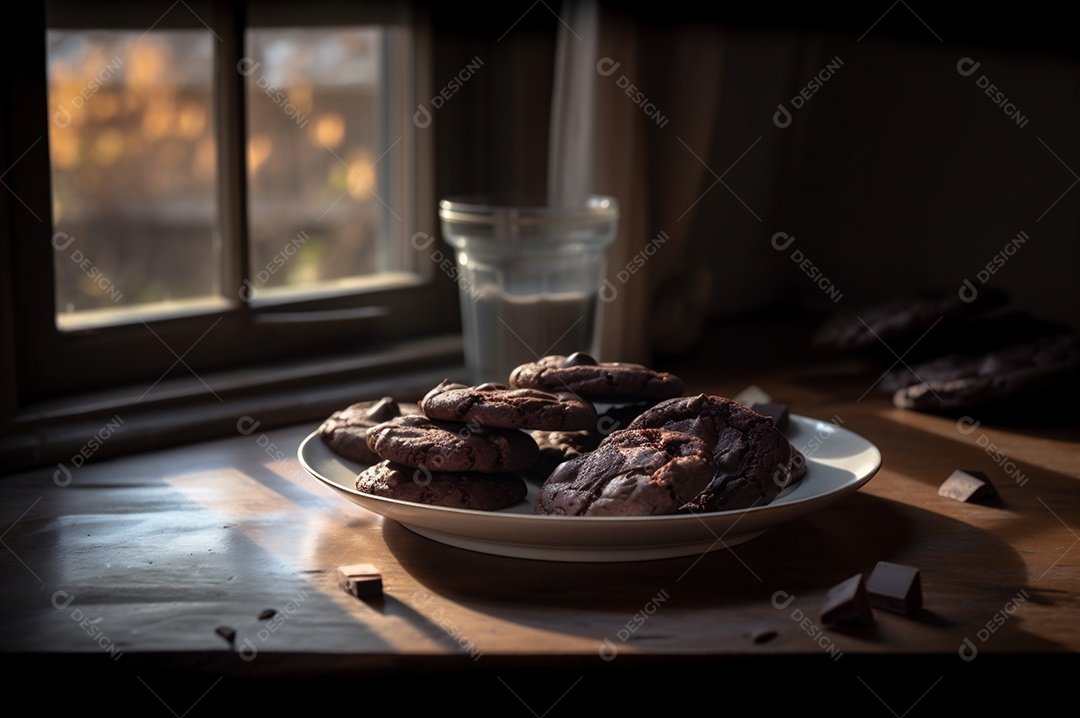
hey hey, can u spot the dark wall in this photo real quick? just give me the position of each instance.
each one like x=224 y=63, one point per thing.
x=898 y=174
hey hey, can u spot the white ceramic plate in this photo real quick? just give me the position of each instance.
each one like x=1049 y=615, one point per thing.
x=838 y=463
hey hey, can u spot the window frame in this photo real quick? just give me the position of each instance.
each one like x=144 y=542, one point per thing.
x=44 y=363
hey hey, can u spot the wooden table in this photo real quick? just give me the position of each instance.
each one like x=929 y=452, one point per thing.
x=117 y=579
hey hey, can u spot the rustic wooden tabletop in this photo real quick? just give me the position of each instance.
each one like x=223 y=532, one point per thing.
x=219 y=560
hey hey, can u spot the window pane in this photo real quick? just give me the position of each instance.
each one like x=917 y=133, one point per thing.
x=134 y=171
x=316 y=158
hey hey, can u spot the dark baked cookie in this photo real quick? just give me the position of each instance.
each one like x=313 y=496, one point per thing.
x=753 y=457
x=615 y=416
x=906 y=317
x=497 y=406
x=559 y=446
x=459 y=490
x=941 y=369
x=781 y=419
x=641 y=472
x=450 y=446
x=582 y=375
x=784 y=476
x=954 y=354
x=774 y=410
x=345 y=432
x=958 y=382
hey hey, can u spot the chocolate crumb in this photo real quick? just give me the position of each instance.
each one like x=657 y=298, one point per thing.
x=226 y=632
x=763 y=635
x=360 y=580
x=578 y=359
x=267 y=613
x=969 y=486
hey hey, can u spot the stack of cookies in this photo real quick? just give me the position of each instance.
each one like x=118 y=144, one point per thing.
x=619 y=391
x=648 y=451
x=468 y=446
x=676 y=454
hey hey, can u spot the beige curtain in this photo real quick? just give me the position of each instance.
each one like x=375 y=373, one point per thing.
x=633 y=116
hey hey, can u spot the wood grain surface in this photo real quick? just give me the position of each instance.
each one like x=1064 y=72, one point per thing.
x=128 y=566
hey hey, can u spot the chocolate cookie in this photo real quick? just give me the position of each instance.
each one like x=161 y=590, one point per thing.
x=496 y=406
x=345 y=432
x=959 y=382
x=615 y=416
x=582 y=375
x=458 y=490
x=785 y=475
x=906 y=317
x=753 y=458
x=641 y=472
x=559 y=446
x=448 y=446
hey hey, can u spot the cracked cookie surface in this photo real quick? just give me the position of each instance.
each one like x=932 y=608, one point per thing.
x=452 y=446
x=631 y=473
x=583 y=375
x=458 y=490
x=497 y=406
x=754 y=460
x=345 y=431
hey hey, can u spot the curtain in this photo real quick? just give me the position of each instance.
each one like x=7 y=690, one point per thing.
x=633 y=116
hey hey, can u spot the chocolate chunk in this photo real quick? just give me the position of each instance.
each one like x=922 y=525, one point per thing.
x=848 y=602
x=895 y=588
x=267 y=613
x=384 y=410
x=752 y=394
x=226 y=632
x=969 y=486
x=578 y=359
x=774 y=410
x=763 y=635
x=360 y=579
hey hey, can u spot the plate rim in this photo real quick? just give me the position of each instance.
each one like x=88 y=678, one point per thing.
x=848 y=487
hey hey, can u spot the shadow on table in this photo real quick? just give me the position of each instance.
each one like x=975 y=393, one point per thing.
x=746 y=591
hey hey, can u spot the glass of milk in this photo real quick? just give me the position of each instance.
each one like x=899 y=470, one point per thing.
x=529 y=275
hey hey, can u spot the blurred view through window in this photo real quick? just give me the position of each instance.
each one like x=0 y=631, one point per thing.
x=134 y=169
x=134 y=157
x=314 y=129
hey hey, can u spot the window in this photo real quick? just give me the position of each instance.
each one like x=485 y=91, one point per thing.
x=133 y=158
x=215 y=184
